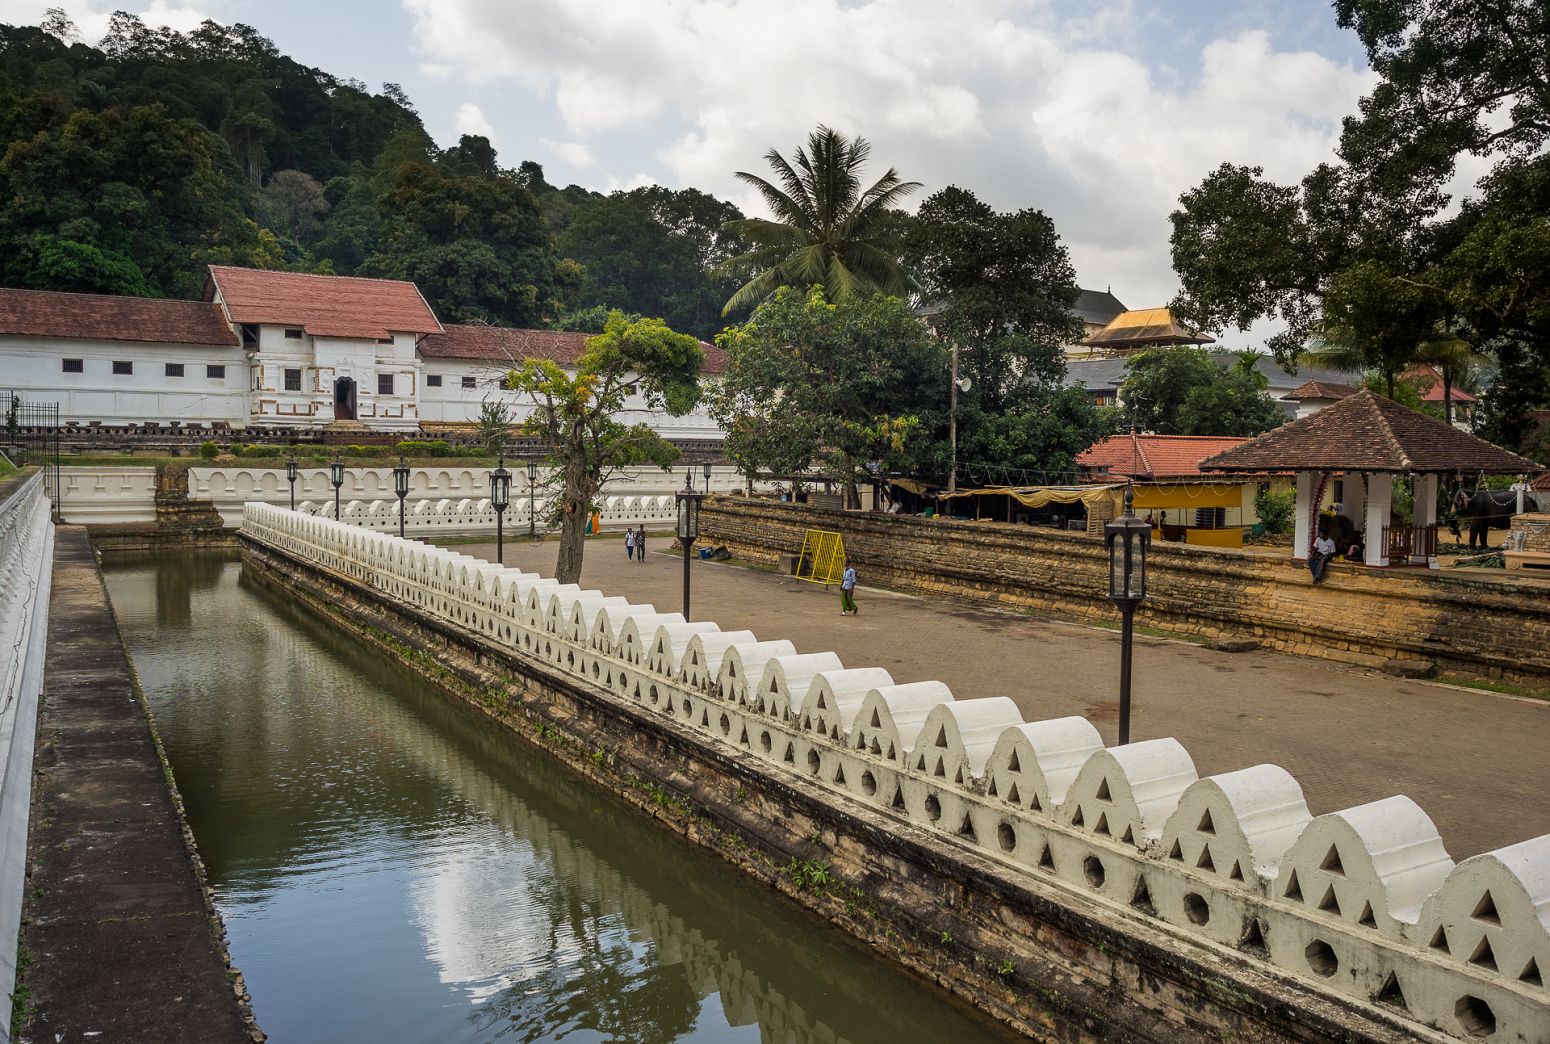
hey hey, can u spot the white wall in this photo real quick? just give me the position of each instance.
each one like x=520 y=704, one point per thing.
x=34 y=367
x=322 y=361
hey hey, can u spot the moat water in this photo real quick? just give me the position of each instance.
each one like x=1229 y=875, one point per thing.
x=391 y=867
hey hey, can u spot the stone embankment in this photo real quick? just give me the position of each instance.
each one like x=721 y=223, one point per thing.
x=1414 y=620
x=121 y=942
x=1069 y=889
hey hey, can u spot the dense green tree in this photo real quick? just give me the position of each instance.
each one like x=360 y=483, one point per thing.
x=651 y=251
x=293 y=201
x=836 y=383
x=825 y=224
x=574 y=411
x=1184 y=391
x=1000 y=287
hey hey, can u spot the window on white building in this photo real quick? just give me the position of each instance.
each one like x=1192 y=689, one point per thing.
x=121 y=367
x=432 y=380
x=468 y=382
x=292 y=380
x=216 y=372
x=174 y=369
x=74 y=365
x=384 y=384
x=293 y=335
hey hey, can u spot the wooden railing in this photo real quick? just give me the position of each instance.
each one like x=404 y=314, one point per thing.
x=1406 y=542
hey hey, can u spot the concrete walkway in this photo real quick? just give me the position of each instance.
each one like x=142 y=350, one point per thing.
x=1475 y=761
x=121 y=947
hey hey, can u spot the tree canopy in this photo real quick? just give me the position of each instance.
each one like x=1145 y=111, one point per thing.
x=825 y=228
x=1184 y=391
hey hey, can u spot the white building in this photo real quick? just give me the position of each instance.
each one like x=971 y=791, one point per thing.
x=278 y=350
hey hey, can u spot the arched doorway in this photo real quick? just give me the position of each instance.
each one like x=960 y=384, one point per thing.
x=344 y=399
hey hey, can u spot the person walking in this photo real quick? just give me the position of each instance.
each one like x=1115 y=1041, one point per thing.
x=629 y=543
x=848 y=591
x=640 y=543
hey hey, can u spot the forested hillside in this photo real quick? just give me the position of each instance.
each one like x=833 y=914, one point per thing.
x=129 y=166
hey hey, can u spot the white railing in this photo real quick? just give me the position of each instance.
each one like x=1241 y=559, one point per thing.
x=1364 y=903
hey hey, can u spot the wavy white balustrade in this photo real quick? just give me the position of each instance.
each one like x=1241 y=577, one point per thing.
x=1364 y=902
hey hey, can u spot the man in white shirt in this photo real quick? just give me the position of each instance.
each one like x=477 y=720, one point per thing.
x=1323 y=551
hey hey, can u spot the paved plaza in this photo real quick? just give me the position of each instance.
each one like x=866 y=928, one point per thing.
x=1477 y=762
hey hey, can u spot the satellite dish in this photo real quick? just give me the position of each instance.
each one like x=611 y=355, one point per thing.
x=964 y=384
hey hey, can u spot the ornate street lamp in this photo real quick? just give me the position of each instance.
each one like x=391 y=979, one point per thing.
x=1127 y=538
x=336 y=476
x=707 y=476
x=401 y=487
x=532 y=505
x=688 y=501
x=290 y=476
x=500 y=498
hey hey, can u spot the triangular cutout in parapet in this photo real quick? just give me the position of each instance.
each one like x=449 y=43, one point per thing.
x=1103 y=789
x=877 y=722
x=1129 y=836
x=1046 y=858
x=1367 y=920
x=1331 y=902
x=839 y=775
x=898 y=799
x=1206 y=825
x=1485 y=910
x=1253 y=940
x=1033 y=802
x=1484 y=956
x=1237 y=871
x=991 y=790
x=958 y=777
x=967 y=830
x=1332 y=863
x=1013 y=765
x=704 y=719
x=1142 y=899
x=941 y=737
x=1103 y=824
x=941 y=768
x=1391 y=993
x=791 y=755
x=1531 y=974
x=891 y=753
x=1440 y=941
x=1205 y=862
x=1176 y=852
x=743 y=739
x=1293 y=888
x=1076 y=817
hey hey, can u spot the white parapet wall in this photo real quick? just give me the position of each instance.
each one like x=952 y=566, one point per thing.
x=107 y=496
x=1362 y=904
x=26 y=565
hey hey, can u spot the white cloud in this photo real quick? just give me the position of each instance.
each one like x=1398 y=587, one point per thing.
x=998 y=96
x=92 y=19
x=470 y=119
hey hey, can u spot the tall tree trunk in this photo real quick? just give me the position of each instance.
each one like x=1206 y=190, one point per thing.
x=1388 y=379
x=1447 y=394
x=579 y=491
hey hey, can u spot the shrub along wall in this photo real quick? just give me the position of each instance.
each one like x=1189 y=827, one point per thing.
x=1462 y=624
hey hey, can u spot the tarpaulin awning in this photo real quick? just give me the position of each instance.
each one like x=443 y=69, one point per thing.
x=1042 y=496
x=915 y=486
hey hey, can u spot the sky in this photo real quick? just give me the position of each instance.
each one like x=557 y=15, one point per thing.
x=1100 y=113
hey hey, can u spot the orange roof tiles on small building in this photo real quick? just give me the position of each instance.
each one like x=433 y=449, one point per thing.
x=500 y=344
x=1433 y=393
x=102 y=317
x=322 y=305
x=1154 y=457
x=1146 y=328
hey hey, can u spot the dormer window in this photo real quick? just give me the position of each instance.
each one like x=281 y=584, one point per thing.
x=293 y=335
x=249 y=334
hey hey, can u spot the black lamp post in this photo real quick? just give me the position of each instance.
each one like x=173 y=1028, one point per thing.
x=500 y=497
x=688 y=501
x=1127 y=538
x=707 y=477
x=532 y=505
x=401 y=487
x=336 y=476
x=290 y=476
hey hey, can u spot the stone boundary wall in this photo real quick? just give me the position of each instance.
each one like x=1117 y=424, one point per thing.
x=26 y=560
x=1459 y=624
x=1214 y=895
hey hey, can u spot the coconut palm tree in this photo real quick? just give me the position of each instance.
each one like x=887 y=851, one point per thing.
x=825 y=229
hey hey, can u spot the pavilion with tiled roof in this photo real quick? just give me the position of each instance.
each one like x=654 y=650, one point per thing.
x=1145 y=328
x=1371 y=439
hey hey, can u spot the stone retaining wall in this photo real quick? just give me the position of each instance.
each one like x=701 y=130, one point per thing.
x=1458 y=623
x=1068 y=889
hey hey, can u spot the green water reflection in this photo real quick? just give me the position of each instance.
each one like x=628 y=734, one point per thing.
x=391 y=868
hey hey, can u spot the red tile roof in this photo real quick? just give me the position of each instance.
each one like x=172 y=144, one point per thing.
x=1320 y=390
x=1154 y=456
x=1364 y=432
x=1433 y=377
x=323 y=305
x=103 y=317
x=503 y=344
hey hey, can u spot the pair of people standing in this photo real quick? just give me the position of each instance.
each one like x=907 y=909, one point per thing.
x=635 y=543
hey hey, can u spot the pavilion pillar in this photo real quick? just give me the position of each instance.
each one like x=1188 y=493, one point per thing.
x=1425 y=511
x=1380 y=503
x=1354 y=505
x=1302 y=526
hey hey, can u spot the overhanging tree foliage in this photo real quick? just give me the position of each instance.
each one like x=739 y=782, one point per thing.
x=575 y=413
x=1184 y=391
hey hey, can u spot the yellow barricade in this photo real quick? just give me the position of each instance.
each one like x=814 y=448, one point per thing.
x=823 y=557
